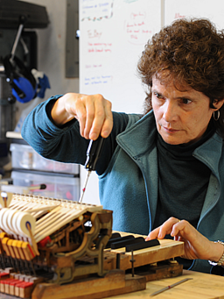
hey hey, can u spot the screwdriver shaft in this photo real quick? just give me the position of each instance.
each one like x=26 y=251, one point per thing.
x=84 y=187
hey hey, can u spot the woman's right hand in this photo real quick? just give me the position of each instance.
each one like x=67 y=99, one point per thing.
x=196 y=246
x=92 y=111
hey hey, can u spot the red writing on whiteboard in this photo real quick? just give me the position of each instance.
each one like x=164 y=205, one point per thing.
x=136 y=15
x=135 y=24
x=136 y=28
x=94 y=34
x=99 y=47
x=179 y=16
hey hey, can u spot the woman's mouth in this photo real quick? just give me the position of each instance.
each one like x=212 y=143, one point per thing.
x=170 y=130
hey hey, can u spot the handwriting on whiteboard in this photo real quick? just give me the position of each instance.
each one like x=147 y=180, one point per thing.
x=95 y=80
x=178 y=16
x=94 y=33
x=136 y=28
x=94 y=66
x=96 y=10
x=99 y=47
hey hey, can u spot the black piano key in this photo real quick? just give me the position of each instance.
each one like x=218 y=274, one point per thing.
x=118 y=239
x=142 y=245
x=123 y=243
x=115 y=235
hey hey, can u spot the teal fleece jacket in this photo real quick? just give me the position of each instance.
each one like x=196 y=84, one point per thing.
x=128 y=171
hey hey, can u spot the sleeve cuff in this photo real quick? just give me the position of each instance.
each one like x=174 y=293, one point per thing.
x=49 y=107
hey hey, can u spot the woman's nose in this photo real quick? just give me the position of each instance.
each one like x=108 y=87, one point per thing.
x=170 y=112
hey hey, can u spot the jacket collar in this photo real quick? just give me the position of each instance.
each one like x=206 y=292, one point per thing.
x=210 y=152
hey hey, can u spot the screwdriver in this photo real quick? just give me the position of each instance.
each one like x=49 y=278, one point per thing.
x=92 y=156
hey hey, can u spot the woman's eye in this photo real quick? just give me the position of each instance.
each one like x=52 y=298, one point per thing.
x=158 y=95
x=186 y=101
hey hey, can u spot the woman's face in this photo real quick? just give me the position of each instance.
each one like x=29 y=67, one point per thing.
x=181 y=116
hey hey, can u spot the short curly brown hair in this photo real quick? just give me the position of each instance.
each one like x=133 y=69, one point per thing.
x=187 y=52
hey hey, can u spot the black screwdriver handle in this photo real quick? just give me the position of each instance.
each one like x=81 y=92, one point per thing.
x=93 y=153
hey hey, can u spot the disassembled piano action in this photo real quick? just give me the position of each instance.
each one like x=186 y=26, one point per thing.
x=49 y=245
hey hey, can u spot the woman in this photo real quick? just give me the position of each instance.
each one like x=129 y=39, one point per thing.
x=167 y=162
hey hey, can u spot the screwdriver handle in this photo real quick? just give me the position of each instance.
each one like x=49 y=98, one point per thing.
x=93 y=153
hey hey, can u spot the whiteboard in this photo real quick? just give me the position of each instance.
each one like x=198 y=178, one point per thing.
x=112 y=37
x=212 y=10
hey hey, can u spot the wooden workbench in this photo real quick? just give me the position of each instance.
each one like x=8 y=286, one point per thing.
x=202 y=286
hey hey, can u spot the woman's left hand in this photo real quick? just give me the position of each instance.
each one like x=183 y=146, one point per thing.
x=196 y=246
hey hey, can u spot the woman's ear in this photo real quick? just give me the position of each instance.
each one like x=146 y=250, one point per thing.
x=218 y=104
